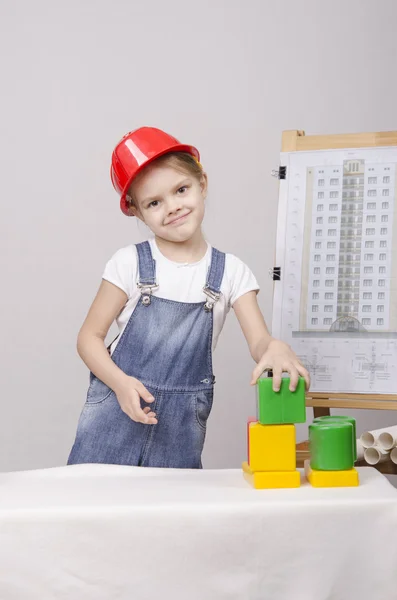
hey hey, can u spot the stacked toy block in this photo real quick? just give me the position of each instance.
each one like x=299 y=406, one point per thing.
x=271 y=460
x=333 y=451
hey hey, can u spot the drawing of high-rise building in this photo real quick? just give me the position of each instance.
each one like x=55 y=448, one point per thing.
x=350 y=247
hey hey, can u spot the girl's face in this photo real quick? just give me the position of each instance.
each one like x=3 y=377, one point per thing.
x=170 y=202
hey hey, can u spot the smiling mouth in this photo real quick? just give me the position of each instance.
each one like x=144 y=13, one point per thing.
x=176 y=221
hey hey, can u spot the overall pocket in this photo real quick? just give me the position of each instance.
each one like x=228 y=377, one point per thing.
x=97 y=391
x=203 y=405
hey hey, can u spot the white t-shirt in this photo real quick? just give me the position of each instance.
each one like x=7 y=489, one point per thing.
x=182 y=282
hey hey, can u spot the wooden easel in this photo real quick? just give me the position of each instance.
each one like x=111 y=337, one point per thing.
x=295 y=141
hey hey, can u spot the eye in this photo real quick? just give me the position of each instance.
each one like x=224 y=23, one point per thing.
x=182 y=189
x=153 y=204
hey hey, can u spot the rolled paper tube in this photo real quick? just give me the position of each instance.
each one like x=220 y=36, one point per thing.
x=330 y=445
x=375 y=455
x=393 y=456
x=338 y=419
x=370 y=438
x=360 y=450
x=388 y=439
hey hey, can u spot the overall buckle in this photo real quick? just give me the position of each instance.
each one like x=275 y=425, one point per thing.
x=213 y=298
x=146 y=291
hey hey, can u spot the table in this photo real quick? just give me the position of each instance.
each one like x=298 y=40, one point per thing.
x=103 y=532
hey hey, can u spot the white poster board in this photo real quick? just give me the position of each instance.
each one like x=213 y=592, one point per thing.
x=336 y=301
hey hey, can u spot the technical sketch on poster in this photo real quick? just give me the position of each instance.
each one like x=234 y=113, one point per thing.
x=336 y=301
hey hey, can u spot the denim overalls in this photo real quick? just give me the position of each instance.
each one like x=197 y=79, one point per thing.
x=167 y=345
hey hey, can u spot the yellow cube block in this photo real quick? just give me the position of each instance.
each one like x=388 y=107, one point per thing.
x=272 y=447
x=262 y=480
x=347 y=478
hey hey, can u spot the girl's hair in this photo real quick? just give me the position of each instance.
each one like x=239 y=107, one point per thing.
x=181 y=161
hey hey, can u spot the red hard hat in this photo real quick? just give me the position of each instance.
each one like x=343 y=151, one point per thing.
x=136 y=150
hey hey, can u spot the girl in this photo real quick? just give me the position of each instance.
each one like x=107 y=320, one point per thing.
x=151 y=392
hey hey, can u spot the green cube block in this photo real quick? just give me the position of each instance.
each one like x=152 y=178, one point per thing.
x=277 y=408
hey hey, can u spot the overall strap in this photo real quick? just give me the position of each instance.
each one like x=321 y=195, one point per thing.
x=147 y=271
x=214 y=278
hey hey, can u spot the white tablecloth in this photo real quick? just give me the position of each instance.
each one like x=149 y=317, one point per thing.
x=98 y=532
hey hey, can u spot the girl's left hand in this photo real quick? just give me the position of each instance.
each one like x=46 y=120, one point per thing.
x=279 y=357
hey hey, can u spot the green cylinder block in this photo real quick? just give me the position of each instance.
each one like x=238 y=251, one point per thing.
x=338 y=419
x=331 y=447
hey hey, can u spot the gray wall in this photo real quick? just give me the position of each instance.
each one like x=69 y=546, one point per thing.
x=228 y=76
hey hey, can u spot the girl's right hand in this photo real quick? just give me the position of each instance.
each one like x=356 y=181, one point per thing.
x=129 y=394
